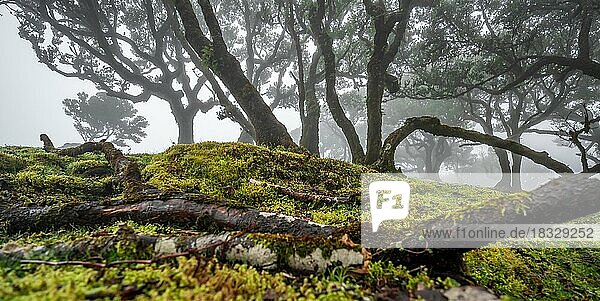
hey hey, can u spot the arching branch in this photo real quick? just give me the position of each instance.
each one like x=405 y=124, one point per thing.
x=433 y=126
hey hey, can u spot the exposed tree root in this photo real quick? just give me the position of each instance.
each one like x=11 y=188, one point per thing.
x=126 y=171
x=182 y=212
x=303 y=254
x=433 y=126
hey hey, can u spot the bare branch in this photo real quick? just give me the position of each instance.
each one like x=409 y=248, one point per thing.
x=433 y=125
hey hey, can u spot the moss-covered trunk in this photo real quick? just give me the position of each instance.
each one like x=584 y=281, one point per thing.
x=310 y=124
x=200 y=212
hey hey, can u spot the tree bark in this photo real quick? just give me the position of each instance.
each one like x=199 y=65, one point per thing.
x=383 y=54
x=505 y=182
x=437 y=150
x=517 y=161
x=269 y=131
x=310 y=125
x=185 y=125
x=308 y=105
x=433 y=126
x=325 y=45
x=245 y=137
x=203 y=212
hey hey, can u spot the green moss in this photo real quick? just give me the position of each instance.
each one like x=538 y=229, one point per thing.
x=89 y=168
x=32 y=186
x=232 y=164
x=141 y=159
x=537 y=274
x=61 y=236
x=10 y=163
x=386 y=274
x=341 y=215
x=129 y=250
x=185 y=279
x=224 y=170
x=47 y=179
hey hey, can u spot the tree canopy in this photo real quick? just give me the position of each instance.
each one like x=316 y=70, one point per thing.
x=102 y=117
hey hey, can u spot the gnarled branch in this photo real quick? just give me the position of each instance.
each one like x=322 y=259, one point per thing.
x=433 y=126
x=127 y=171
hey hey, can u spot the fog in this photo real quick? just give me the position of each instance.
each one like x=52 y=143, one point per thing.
x=31 y=103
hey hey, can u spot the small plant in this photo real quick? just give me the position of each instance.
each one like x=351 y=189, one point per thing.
x=339 y=274
x=382 y=273
x=447 y=282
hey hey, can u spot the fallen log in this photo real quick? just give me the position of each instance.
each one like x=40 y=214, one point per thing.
x=303 y=254
x=201 y=214
x=434 y=126
x=127 y=171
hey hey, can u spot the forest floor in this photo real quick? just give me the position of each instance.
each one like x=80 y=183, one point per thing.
x=130 y=257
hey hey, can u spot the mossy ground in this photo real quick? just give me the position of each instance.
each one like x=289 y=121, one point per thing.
x=190 y=278
x=30 y=176
x=225 y=169
x=538 y=274
x=196 y=279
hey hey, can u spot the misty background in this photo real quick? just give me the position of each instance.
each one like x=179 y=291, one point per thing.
x=31 y=103
x=31 y=98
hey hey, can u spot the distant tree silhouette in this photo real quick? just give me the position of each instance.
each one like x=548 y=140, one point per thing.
x=106 y=117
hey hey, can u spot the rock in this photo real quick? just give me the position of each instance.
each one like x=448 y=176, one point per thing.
x=430 y=295
x=469 y=293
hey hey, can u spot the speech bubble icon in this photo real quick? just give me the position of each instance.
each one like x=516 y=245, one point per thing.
x=389 y=200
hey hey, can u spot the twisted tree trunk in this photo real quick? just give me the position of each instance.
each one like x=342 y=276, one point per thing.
x=325 y=44
x=214 y=54
x=310 y=124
